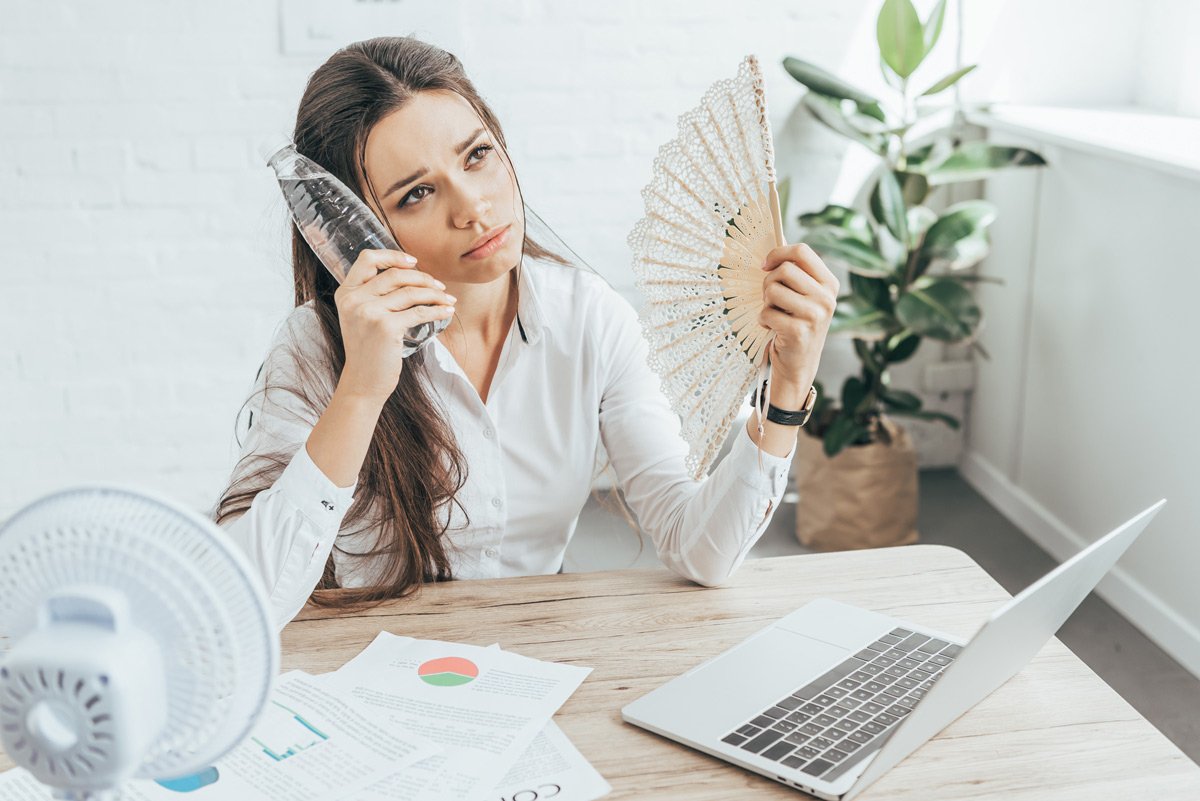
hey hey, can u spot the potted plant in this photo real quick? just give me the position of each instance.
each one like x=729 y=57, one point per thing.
x=856 y=471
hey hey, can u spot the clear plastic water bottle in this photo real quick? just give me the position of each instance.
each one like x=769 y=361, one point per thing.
x=334 y=222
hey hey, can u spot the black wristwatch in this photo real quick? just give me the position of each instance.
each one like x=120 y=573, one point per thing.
x=786 y=417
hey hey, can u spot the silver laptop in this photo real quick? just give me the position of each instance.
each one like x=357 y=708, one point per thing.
x=831 y=697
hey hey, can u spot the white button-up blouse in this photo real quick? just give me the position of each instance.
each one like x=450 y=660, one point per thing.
x=572 y=375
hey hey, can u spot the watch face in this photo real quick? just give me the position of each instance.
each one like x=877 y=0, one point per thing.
x=809 y=403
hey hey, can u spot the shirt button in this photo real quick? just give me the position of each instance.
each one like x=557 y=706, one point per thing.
x=496 y=502
x=491 y=553
x=487 y=432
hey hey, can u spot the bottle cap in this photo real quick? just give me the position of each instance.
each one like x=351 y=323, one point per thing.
x=269 y=146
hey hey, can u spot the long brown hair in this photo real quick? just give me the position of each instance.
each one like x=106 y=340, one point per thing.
x=413 y=465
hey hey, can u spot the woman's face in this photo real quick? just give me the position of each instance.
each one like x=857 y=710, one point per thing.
x=443 y=183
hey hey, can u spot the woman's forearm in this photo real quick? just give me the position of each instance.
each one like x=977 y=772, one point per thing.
x=779 y=439
x=338 y=442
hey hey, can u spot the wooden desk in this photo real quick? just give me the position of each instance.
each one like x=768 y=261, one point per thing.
x=1056 y=730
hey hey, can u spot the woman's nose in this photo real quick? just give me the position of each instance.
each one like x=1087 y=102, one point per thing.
x=471 y=209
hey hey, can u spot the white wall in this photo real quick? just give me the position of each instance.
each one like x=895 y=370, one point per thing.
x=1083 y=416
x=142 y=243
x=144 y=247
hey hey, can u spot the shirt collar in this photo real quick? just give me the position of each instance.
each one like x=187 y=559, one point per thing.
x=530 y=316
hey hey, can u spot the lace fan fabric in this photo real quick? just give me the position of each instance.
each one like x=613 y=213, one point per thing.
x=711 y=217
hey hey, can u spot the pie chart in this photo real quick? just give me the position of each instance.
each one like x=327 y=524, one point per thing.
x=448 y=671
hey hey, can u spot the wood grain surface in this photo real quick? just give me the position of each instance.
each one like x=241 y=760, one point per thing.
x=1055 y=731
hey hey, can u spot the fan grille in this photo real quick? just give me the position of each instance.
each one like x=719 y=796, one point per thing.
x=71 y=692
x=186 y=588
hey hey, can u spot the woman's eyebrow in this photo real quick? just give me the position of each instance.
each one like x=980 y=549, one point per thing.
x=458 y=149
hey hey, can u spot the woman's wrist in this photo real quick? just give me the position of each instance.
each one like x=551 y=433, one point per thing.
x=339 y=441
x=350 y=397
x=787 y=394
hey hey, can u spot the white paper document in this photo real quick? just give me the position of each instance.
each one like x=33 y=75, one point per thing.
x=551 y=767
x=308 y=746
x=485 y=706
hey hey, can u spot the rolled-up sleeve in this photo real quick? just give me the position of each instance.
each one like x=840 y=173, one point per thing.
x=290 y=527
x=704 y=529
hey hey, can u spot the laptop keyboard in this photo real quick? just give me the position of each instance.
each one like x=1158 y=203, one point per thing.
x=830 y=724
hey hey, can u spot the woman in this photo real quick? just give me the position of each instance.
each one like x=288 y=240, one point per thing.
x=473 y=457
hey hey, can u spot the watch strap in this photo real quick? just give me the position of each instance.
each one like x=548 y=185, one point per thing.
x=788 y=417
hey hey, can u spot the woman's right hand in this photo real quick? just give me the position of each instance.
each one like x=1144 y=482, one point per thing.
x=382 y=297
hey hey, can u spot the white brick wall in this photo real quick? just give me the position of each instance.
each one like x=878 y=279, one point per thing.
x=144 y=247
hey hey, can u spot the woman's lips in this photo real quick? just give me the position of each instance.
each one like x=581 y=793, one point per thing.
x=489 y=247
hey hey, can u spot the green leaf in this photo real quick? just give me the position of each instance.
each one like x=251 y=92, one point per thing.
x=891 y=206
x=974 y=160
x=850 y=123
x=856 y=317
x=948 y=81
x=853 y=393
x=965 y=253
x=841 y=433
x=979 y=279
x=932 y=28
x=957 y=236
x=925 y=415
x=889 y=77
x=938 y=308
x=858 y=256
x=868 y=356
x=928 y=156
x=873 y=290
x=914 y=185
x=852 y=221
x=783 y=189
x=826 y=83
x=920 y=218
x=901 y=36
x=902 y=345
x=899 y=399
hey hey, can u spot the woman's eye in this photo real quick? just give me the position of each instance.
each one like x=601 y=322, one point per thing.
x=404 y=202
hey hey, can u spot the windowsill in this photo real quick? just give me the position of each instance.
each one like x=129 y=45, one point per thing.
x=1128 y=133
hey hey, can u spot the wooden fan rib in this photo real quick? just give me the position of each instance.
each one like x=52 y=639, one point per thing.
x=698 y=170
x=731 y=191
x=702 y=224
x=739 y=310
x=732 y=158
x=746 y=149
x=764 y=135
x=687 y=268
x=737 y=240
x=667 y=180
x=680 y=282
x=691 y=411
x=715 y=337
x=674 y=243
x=687 y=317
x=700 y=202
x=740 y=278
x=703 y=399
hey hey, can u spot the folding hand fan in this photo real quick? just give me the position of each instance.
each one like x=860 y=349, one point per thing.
x=712 y=215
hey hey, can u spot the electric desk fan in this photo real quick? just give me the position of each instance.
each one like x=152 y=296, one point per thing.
x=139 y=643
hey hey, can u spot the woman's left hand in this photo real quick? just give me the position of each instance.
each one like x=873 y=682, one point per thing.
x=799 y=296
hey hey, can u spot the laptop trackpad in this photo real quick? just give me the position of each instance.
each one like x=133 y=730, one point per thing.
x=741 y=683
